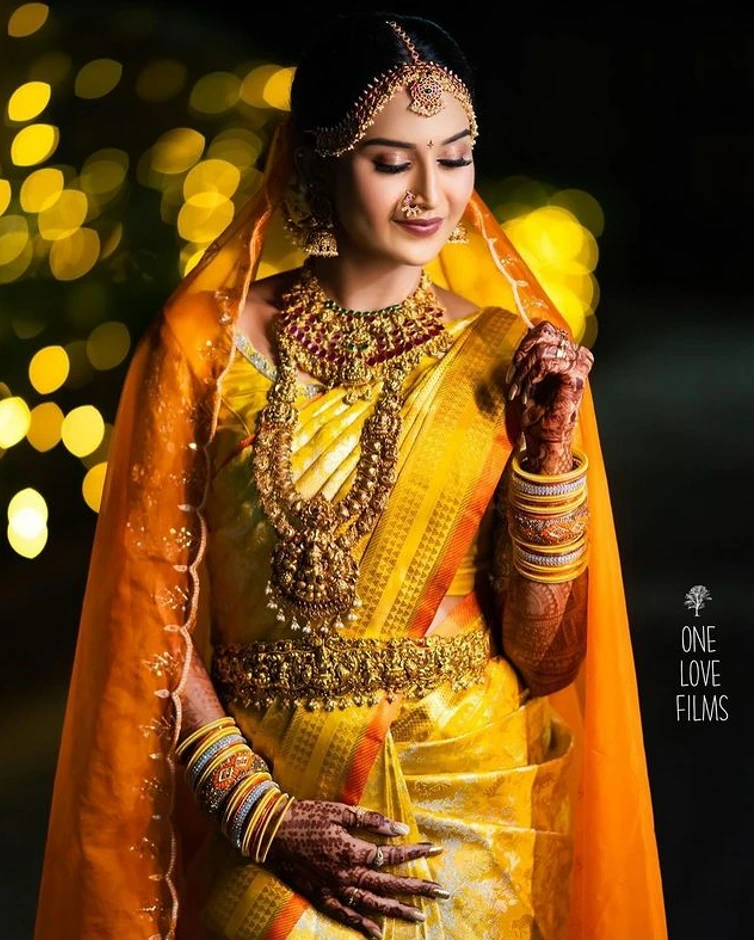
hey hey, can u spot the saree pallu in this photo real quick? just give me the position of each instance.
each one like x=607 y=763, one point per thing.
x=480 y=771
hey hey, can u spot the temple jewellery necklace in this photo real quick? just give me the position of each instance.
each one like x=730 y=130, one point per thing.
x=314 y=575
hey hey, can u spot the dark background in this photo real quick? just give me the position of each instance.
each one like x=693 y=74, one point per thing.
x=654 y=119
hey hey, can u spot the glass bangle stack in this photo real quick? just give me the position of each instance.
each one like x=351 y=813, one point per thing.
x=548 y=521
x=233 y=785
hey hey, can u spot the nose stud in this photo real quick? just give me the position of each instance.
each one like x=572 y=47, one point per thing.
x=407 y=207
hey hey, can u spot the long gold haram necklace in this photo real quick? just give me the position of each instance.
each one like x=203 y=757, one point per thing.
x=314 y=575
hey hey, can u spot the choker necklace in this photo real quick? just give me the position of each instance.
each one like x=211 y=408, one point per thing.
x=353 y=348
x=314 y=575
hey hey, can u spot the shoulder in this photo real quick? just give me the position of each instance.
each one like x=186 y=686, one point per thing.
x=263 y=298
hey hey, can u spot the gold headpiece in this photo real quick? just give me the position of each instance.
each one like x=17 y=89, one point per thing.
x=424 y=81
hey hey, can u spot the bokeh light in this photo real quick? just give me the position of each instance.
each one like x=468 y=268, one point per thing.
x=236 y=145
x=108 y=345
x=27 y=19
x=177 y=151
x=277 y=89
x=49 y=369
x=253 y=87
x=27 y=522
x=103 y=172
x=41 y=189
x=45 y=426
x=64 y=216
x=75 y=255
x=82 y=430
x=93 y=484
x=204 y=217
x=211 y=176
x=34 y=144
x=6 y=194
x=98 y=78
x=215 y=93
x=29 y=101
x=14 y=236
x=14 y=421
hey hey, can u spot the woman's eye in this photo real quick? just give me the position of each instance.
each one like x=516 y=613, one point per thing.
x=391 y=167
x=400 y=167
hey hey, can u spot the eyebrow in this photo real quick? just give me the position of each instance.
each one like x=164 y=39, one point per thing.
x=405 y=145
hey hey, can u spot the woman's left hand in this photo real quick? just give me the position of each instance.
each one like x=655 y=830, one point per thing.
x=547 y=376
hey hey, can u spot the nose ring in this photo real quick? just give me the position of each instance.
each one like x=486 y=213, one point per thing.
x=407 y=208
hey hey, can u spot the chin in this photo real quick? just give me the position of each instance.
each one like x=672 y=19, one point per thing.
x=418 y=255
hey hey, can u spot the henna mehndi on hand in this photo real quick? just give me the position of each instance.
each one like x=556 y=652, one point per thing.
x=315 y=853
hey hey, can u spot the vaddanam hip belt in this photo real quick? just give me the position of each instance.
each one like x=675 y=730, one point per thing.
x=336 y=671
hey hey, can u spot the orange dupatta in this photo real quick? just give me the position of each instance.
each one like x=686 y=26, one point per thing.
x=113 y=864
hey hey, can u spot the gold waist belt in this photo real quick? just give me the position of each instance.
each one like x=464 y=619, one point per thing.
x=337 y=671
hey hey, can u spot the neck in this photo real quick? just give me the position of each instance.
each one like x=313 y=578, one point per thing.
x=360 y=284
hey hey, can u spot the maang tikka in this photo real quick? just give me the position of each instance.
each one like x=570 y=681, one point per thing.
x=425 y=83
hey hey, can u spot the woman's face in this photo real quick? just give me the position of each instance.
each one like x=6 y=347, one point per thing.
x=429 y=156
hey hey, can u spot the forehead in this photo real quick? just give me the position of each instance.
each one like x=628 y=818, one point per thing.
x=396 y=122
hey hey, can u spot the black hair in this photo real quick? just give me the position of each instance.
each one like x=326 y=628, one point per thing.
x=352 y=50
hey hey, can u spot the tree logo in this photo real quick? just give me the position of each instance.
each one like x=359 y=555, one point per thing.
x=696 y=597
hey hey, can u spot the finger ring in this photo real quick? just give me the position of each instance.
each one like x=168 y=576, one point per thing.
x=358 y=812
x=379 y=858
x=352 y=894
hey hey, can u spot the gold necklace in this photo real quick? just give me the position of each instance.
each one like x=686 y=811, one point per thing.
x=314 y=575
x=352 y=348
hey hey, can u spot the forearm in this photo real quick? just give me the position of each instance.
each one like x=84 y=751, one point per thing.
x=199 y=701
x=544 y=624
x=544 y=630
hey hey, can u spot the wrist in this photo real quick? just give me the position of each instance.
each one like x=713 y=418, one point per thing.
x=550 y=455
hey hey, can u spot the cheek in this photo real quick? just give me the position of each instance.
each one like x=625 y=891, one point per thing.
x=462 y=189
x=364 y=201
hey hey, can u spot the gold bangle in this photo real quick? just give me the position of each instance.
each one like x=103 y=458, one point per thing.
x=553 y=579
x=561 y=548
x=271 y=827
x=269 y=818
x=239 y=794
x=255 y=816
x=549 y=507
x=544 y=478
x=278 y=823
x=200 y=732
x=251 y=815
x=523 y=562
x=256 y=842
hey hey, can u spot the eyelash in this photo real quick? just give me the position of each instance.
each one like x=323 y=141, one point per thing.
x=400 y=167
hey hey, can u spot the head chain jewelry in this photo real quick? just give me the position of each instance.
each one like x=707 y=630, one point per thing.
x=425 y=83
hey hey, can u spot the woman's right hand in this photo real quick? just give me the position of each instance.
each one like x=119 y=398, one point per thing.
x=315 y=853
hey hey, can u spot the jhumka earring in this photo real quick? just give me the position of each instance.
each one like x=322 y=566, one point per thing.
x=320 y=239
x=309 y=222
x=459 y=235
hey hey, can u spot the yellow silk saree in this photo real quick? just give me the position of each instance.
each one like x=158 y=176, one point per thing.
x=542 y=804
